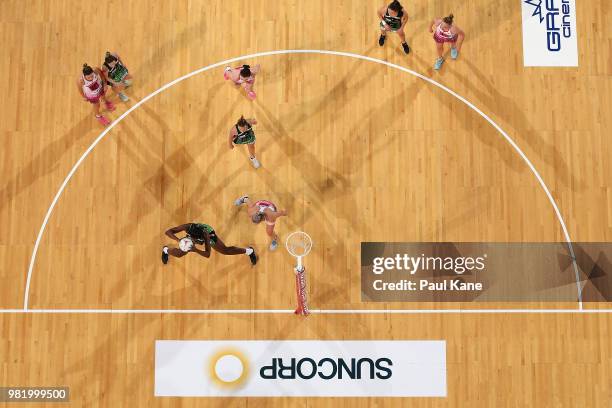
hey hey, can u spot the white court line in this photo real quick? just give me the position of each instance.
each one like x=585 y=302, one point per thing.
x=281 y=52
x=287 y=311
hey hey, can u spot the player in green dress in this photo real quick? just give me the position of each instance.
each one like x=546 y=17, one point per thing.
x=202 y=234
x=393 y=18
x=116 y=74
x=242 y=133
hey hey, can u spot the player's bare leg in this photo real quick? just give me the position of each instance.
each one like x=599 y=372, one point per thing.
x=254 y=161
x=233 y=250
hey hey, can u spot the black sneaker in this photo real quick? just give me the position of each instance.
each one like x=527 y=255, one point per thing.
x=406 y=47
x=164 y=256
x=381 y=40
x=253 y=257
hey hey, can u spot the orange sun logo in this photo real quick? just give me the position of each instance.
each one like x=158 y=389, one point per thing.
x=229 y=368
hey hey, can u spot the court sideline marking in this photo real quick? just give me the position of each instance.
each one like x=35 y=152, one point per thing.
x=291 y=311
x=282 y=52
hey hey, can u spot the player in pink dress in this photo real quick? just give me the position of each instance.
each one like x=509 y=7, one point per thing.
x=444 y=31
x=263 y=210
x=91 y=87
x=244 y=76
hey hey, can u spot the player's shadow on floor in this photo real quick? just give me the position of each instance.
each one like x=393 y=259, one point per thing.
x=170 y=169
x=103 y=345
x=47 y=161
x=279 y=67
x=335 y=182
x=493 y=12
x=164 y=56
x=346 y=90
x=142 y=152
x=309 y=165
x=215 y=192
x=381 y=119
x=524 y=131
x=146 y=270
x=111 y=333
x=214 y=297
x=301 y=159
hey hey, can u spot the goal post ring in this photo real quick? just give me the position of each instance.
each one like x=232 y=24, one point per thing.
x=298 y=244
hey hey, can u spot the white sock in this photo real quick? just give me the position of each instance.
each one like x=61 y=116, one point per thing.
x=249 y=251
x=165 y=250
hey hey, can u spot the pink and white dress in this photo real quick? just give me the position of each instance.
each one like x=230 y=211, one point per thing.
x=263 y=205
x=229 y=75
x=441 y=36
x=93 y=89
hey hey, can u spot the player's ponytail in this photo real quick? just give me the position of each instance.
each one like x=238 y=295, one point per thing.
x=449 y=20
x=242 y=122
x=87 y=70
x=395 y=6
x=245 y=72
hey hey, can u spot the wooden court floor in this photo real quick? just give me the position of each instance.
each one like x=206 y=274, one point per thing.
x=355 y=152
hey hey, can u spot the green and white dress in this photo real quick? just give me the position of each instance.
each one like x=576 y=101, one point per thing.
x=196 y=232
x=394 y=23
x=246 y=137
x=116 y=73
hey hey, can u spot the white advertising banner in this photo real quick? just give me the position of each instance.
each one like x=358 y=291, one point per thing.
x=300 y=368
x=549 y=33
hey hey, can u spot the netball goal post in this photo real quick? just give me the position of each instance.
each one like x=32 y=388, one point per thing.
x=299 y=245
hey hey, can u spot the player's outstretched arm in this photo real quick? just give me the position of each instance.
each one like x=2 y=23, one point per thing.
x=404 y=20
x=171 y=233
x=101 y=75
x=460 y=37
x=80 y=87
x=460 y=33
x=433 y=23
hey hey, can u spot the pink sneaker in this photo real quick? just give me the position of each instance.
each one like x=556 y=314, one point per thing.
x=109 y=105
x=226 y=75
x=251 y=95
x=103 y=120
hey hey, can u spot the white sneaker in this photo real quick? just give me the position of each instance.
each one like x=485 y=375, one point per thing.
x=255 y=162
x=241 y=200
x=123 y=97
x=273 y=245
